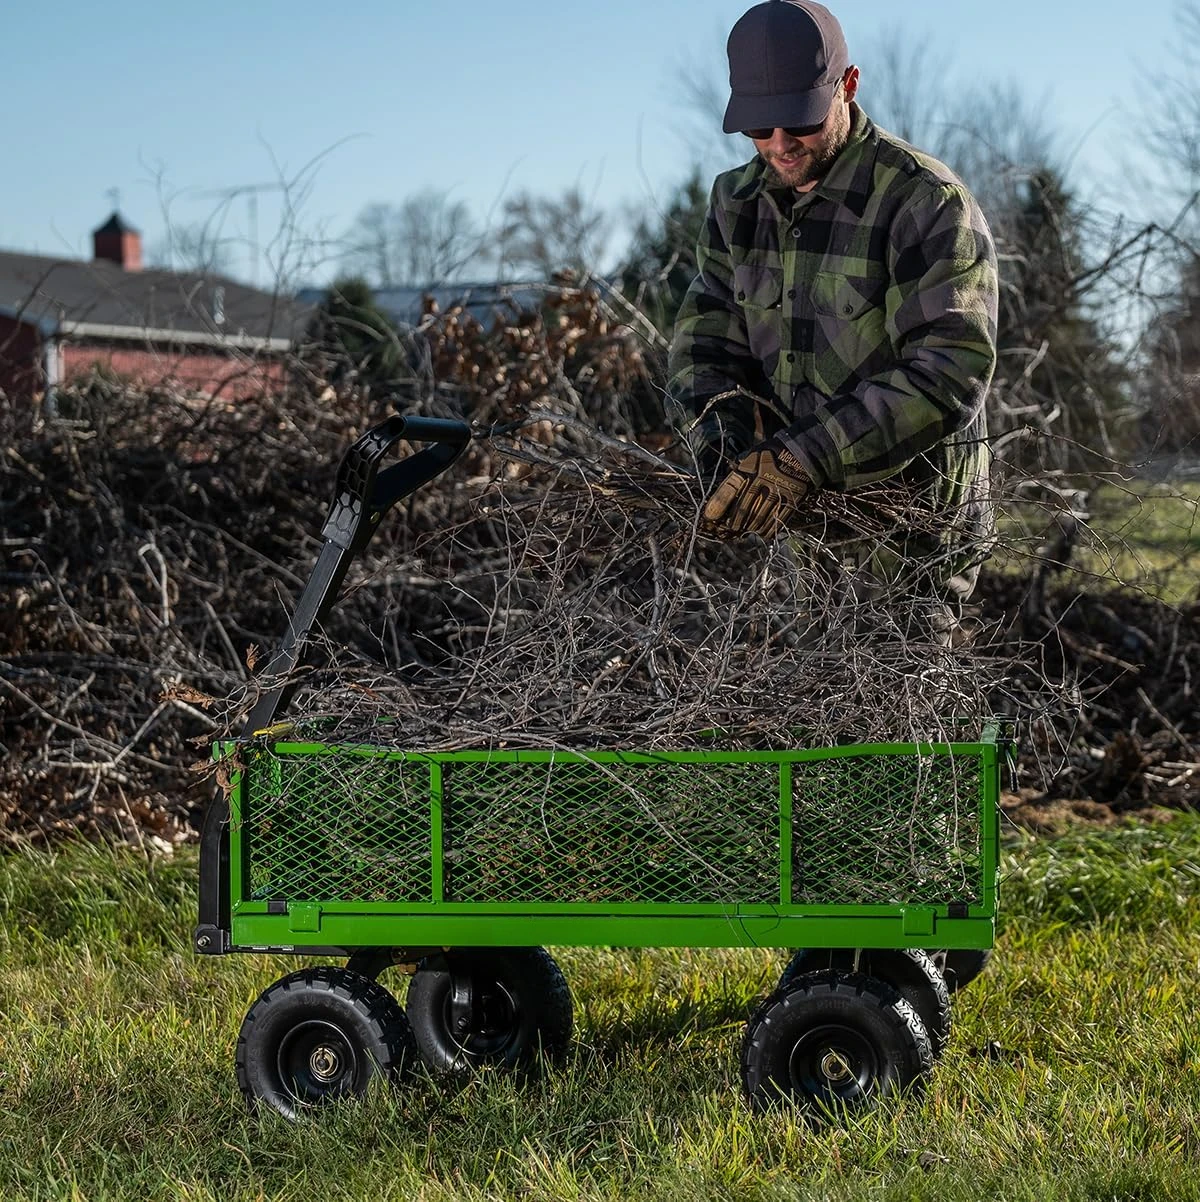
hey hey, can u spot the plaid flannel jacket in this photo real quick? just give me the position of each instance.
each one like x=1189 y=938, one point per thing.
x=862 y=313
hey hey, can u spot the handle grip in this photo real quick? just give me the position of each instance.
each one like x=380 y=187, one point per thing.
x=363 y=494
x=431 y=429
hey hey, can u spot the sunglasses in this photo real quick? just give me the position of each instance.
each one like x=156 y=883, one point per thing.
x=794 y=131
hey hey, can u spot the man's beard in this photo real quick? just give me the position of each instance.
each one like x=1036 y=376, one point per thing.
x=818 y=162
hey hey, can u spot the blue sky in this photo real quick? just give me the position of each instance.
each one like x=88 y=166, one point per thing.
x=165 y=101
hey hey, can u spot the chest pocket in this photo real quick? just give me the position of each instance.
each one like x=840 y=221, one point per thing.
x=849 y=297
x=758 y=287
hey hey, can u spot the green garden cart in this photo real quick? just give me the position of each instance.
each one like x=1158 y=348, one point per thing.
x=878 y=862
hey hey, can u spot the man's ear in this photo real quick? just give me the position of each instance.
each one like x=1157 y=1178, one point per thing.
x=850 y=79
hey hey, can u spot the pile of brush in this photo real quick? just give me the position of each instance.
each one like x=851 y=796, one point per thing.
x=553 y=589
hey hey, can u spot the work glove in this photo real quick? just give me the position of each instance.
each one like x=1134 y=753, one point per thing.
x=761 y=494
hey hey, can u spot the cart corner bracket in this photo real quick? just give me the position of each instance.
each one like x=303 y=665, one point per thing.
x=210 y=940
x=918 y=920
x=304 y=916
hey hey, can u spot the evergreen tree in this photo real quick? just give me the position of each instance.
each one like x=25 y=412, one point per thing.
x=1058 y=369
x=1172 y=420
x=351 y=343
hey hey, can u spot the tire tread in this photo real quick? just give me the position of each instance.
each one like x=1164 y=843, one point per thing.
x=787 y=999
x=367 y=997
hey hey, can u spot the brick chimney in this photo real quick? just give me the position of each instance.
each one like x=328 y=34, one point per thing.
x=118 y=242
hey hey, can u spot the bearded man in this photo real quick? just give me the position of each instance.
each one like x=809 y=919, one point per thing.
x=841 y=329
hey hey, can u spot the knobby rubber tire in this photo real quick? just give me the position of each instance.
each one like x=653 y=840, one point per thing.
x=345 y=1024
x=910 y=971
x=522 y=1008
x=822 y=1025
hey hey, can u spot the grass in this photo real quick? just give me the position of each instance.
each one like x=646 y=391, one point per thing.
x=1149 y=535
x=1141 y=534
x=116 y=1059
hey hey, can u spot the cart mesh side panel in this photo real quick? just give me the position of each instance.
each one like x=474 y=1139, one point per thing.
x=585 y=832
x=344 y=827
x=887 y=829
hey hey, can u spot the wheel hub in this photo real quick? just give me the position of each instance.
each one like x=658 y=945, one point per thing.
x=482 y=1016
x=834 y=1068
x=325 y=1063
x=316 y=1059
x=832 y=1061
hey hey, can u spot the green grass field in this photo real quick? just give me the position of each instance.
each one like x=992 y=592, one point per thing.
x=117 y=1081
x=1142 y=534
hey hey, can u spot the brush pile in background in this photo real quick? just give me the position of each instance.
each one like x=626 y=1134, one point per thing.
x=550 y=590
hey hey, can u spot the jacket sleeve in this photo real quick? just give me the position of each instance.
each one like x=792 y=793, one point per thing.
x=710 y=354
x=942 y=308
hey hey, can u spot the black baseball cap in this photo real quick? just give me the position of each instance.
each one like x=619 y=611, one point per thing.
x=786 y=58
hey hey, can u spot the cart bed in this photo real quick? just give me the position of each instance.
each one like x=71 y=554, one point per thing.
x=882 y=845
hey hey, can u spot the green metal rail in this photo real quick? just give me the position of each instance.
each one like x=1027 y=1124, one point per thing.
x=881 y=845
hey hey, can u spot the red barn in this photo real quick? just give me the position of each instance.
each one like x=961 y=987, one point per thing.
x=61 y=319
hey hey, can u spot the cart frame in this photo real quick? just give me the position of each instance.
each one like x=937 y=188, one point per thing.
x=313 y=922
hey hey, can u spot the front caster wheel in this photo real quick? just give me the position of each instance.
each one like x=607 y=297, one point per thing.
x=317 y=1035
x=833 y=1042
x=489 y=1006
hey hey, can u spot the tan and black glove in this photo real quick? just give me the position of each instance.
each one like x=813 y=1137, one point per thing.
x=761 y=494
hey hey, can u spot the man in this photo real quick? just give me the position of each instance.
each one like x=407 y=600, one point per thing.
x=841 y=329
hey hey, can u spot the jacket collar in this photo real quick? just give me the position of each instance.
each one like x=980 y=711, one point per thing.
x=848 y=181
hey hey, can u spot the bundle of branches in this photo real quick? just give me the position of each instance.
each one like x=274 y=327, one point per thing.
x=154 y=539
x=582 y=353
x=583 y=608
x=1123 y=728
x=148 y=542
x=581 y=605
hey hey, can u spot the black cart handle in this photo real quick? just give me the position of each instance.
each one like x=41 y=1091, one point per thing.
x=363 y=494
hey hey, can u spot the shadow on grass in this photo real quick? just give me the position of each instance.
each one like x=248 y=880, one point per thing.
x=610 y=1032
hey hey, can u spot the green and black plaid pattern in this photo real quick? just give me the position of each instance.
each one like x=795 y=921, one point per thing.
x=863 y=313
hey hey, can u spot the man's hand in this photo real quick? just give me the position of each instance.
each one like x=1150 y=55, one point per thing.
x=759 y=495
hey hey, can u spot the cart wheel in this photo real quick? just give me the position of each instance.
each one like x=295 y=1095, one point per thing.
x=961 y=966
x=912 y=973
x=495 y=1006
x=834 y=1042
x=320 y=1034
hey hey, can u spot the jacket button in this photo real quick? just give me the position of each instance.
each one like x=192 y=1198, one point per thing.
x=791 y=294
x=795 y=231
x=848 y=310
x=741 y=296
x=791 y=358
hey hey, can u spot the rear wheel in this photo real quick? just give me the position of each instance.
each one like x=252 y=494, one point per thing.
x=833 y=1043
x=317 y=1035
x=911 y=972
x=489 y=1006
